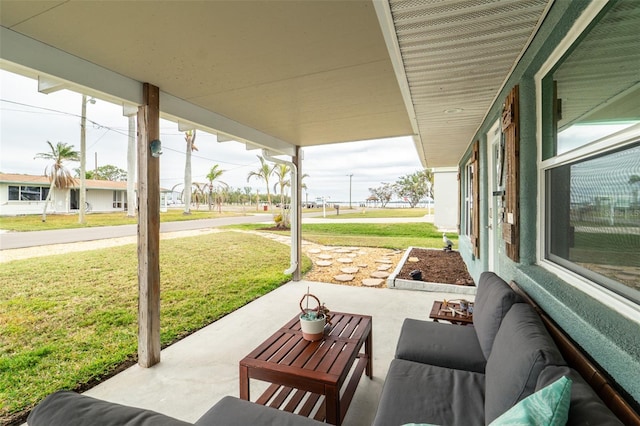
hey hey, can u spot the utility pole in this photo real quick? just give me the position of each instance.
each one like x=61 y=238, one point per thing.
x=83 y=160
x=350 y=176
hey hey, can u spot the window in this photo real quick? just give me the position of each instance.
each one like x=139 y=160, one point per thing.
x=28 y=193
x=118 y=196
x=591 y=154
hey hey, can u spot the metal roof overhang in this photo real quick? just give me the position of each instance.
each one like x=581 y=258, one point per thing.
x=280 y=74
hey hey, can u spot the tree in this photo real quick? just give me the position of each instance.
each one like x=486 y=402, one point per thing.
x=106 y=172
x=415 y=187
x=213 y=175
x=59 y=175
x=383 y=193
x=263 y=173
x=190 y=138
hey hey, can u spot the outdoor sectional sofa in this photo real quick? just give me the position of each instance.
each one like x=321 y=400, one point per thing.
x=454 y=375
x=442 y=374
x=65 y=408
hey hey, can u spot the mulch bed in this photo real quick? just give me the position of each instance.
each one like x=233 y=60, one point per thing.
x=437 y=266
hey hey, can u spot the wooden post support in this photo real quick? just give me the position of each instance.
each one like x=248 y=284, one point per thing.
x=148 y=229
x=297 y=160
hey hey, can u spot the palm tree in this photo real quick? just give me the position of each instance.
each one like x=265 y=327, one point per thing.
x=263 y=173
x=59 y=175
x=213 y=175
x=190 y=138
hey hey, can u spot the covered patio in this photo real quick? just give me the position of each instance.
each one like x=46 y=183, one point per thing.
x=199 y=370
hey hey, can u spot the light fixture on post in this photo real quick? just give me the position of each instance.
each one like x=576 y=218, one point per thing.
x=156 y=148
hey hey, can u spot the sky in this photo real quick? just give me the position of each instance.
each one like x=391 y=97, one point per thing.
x=28 y=119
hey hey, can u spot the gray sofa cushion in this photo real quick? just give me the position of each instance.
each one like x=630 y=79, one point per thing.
x=421 y=393
x=586 y=407
x=230 y=411
x=521 y=350
x=493 y=300
x=441 y=344
x=66 y=408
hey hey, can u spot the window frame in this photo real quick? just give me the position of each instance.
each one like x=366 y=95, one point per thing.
x=618 y=140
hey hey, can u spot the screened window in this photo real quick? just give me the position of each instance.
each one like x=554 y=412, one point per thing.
x=591 y=158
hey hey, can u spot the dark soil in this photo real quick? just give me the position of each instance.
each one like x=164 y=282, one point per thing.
x=437 y=266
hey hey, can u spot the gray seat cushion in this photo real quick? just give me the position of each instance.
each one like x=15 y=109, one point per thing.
x=441 y=344
x=66 y=408
x=421 y=393
x=493 y=300
x=521 y=350
x=230 y=411
x=586 y=407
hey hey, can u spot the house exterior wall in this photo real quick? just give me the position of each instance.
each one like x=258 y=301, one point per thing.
x=610 y=335
x=99 y=199
x=445 y=183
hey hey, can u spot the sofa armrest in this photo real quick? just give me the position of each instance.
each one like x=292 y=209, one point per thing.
x=231 y=411
x=65 y=408
x=444 y=345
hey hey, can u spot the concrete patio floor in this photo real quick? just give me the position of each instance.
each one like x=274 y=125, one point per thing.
x=198 y=371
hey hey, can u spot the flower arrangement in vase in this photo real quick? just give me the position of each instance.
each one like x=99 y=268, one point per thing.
x=313 y=320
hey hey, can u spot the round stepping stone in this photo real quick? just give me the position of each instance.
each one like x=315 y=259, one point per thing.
x=413 y=259
x=349 y=270
x=345 y=260
x=344 y=278
x=362 y=265
x=314 y=251
x=372 y=282
x=362 y=253
x=324 y=263
x=384 y=261
x=383 y=267
x=324 y=256
x=379 y=274
x=352 y=255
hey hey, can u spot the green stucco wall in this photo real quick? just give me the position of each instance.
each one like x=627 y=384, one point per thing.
x=611 y=339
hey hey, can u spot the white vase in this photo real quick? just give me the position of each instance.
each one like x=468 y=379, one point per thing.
x=312 y=329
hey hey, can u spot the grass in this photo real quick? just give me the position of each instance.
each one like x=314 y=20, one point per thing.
x=59 y=221
x=387 y=235
x=66 y=320
x=359 y=213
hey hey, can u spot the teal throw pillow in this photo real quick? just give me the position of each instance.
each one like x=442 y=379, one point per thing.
x=547 y=407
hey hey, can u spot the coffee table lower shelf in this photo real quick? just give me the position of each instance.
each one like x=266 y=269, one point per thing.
x=303 y=403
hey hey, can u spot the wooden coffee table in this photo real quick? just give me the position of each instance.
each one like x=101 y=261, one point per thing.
x=308 y=374
x=440 y=313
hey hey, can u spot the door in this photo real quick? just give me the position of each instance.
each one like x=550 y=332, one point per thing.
x=494 y=163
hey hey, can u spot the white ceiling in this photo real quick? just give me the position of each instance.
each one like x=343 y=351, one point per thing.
x=284 y=73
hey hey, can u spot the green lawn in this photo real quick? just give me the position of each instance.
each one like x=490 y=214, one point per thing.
x=363 y=212
x=387 y=235
x=59 y=221
x=69 y=319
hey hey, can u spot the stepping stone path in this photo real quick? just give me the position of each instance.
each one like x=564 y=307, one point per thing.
x=343 y=250
x=379 y=274
x=384 y=267
x=324 y=256
x=372 y=282
x=345 y=260
x=384 y=261
x=324 y=263
x=344 y=277
x=349 y=270
x=413 y=259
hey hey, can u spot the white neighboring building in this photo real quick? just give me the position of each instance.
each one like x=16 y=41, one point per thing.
x=26 y=194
